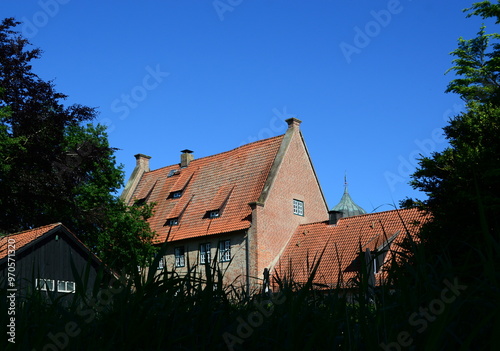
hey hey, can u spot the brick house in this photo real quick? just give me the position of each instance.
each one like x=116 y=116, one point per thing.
x=238 y=208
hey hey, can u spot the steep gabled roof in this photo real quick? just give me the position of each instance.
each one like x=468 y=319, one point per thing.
x=21 y=239
x=24 y=239
x=229 y=181
x=341 y=244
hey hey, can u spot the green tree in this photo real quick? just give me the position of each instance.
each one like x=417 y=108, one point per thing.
x=478 y=66
x=463 y=181
x=462 y=241
x=58 y=167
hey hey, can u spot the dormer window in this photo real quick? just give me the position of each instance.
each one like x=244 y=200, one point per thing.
x=176 y=194
x=172 y=221
x=214 y=214
x=379 y=259
x=173 y=172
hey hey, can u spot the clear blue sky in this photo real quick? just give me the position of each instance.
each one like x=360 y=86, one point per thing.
x=365 y=77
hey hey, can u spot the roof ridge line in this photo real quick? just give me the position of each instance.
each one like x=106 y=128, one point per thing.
x=381 y=212
x=55 y=224
x=220 y=153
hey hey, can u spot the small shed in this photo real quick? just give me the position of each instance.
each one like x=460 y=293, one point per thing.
x=41 y=258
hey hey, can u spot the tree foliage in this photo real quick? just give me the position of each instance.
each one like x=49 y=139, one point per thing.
x=56 y=166
x=478 y=69
x=462 y=241
x=463 y=181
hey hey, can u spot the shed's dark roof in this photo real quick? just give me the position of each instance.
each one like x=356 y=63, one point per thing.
x=21 y=239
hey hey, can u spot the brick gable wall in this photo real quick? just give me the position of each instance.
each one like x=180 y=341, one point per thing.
x=274 y=222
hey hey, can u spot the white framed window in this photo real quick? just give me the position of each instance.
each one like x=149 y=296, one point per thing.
x=161 y=263
x=214 y=214
x=225 y=251
x=205 y=253
x=179 y=256
x=45 y=284
x=298 y=207
x=65 y=286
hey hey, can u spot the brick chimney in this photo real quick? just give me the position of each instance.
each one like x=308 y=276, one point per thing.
x=186 y=157
x=334 y=216
x=141 y=167
x=142 y=162
x=293 y=122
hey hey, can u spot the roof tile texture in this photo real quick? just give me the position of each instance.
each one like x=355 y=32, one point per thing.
x=229 y=180
x=23 y=238
x=341 y=244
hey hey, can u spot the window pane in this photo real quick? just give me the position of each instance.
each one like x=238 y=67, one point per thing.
x=214 y=214
x=202 y=253
x=225 y=250
x=205 y=253
x=298 y=207
x=179 y=256
x=61 y=285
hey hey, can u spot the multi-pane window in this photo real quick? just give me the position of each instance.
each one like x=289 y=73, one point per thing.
x=179 y=256
x=205 y=253
x=45 y=284
x=225 y=251
x=65 y=286
x=176 y=194
x=298 y=207
x=62 y=286
x=161 y=264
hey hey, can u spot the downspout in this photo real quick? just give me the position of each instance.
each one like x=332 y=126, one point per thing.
x=247 y=254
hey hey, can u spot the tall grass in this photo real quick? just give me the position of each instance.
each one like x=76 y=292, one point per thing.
x=415 y=309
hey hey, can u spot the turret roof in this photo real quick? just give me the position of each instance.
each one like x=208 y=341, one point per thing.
x=347 y=205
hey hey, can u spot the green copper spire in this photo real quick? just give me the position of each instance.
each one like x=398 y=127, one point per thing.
x=346 y=205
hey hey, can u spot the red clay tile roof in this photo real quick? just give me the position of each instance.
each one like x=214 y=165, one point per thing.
x=22 y=238
x=227 y=181
x=341 y=243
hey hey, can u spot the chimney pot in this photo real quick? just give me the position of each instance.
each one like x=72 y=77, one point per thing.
x=334 y=216
x=142 y=161
x=186 y=157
